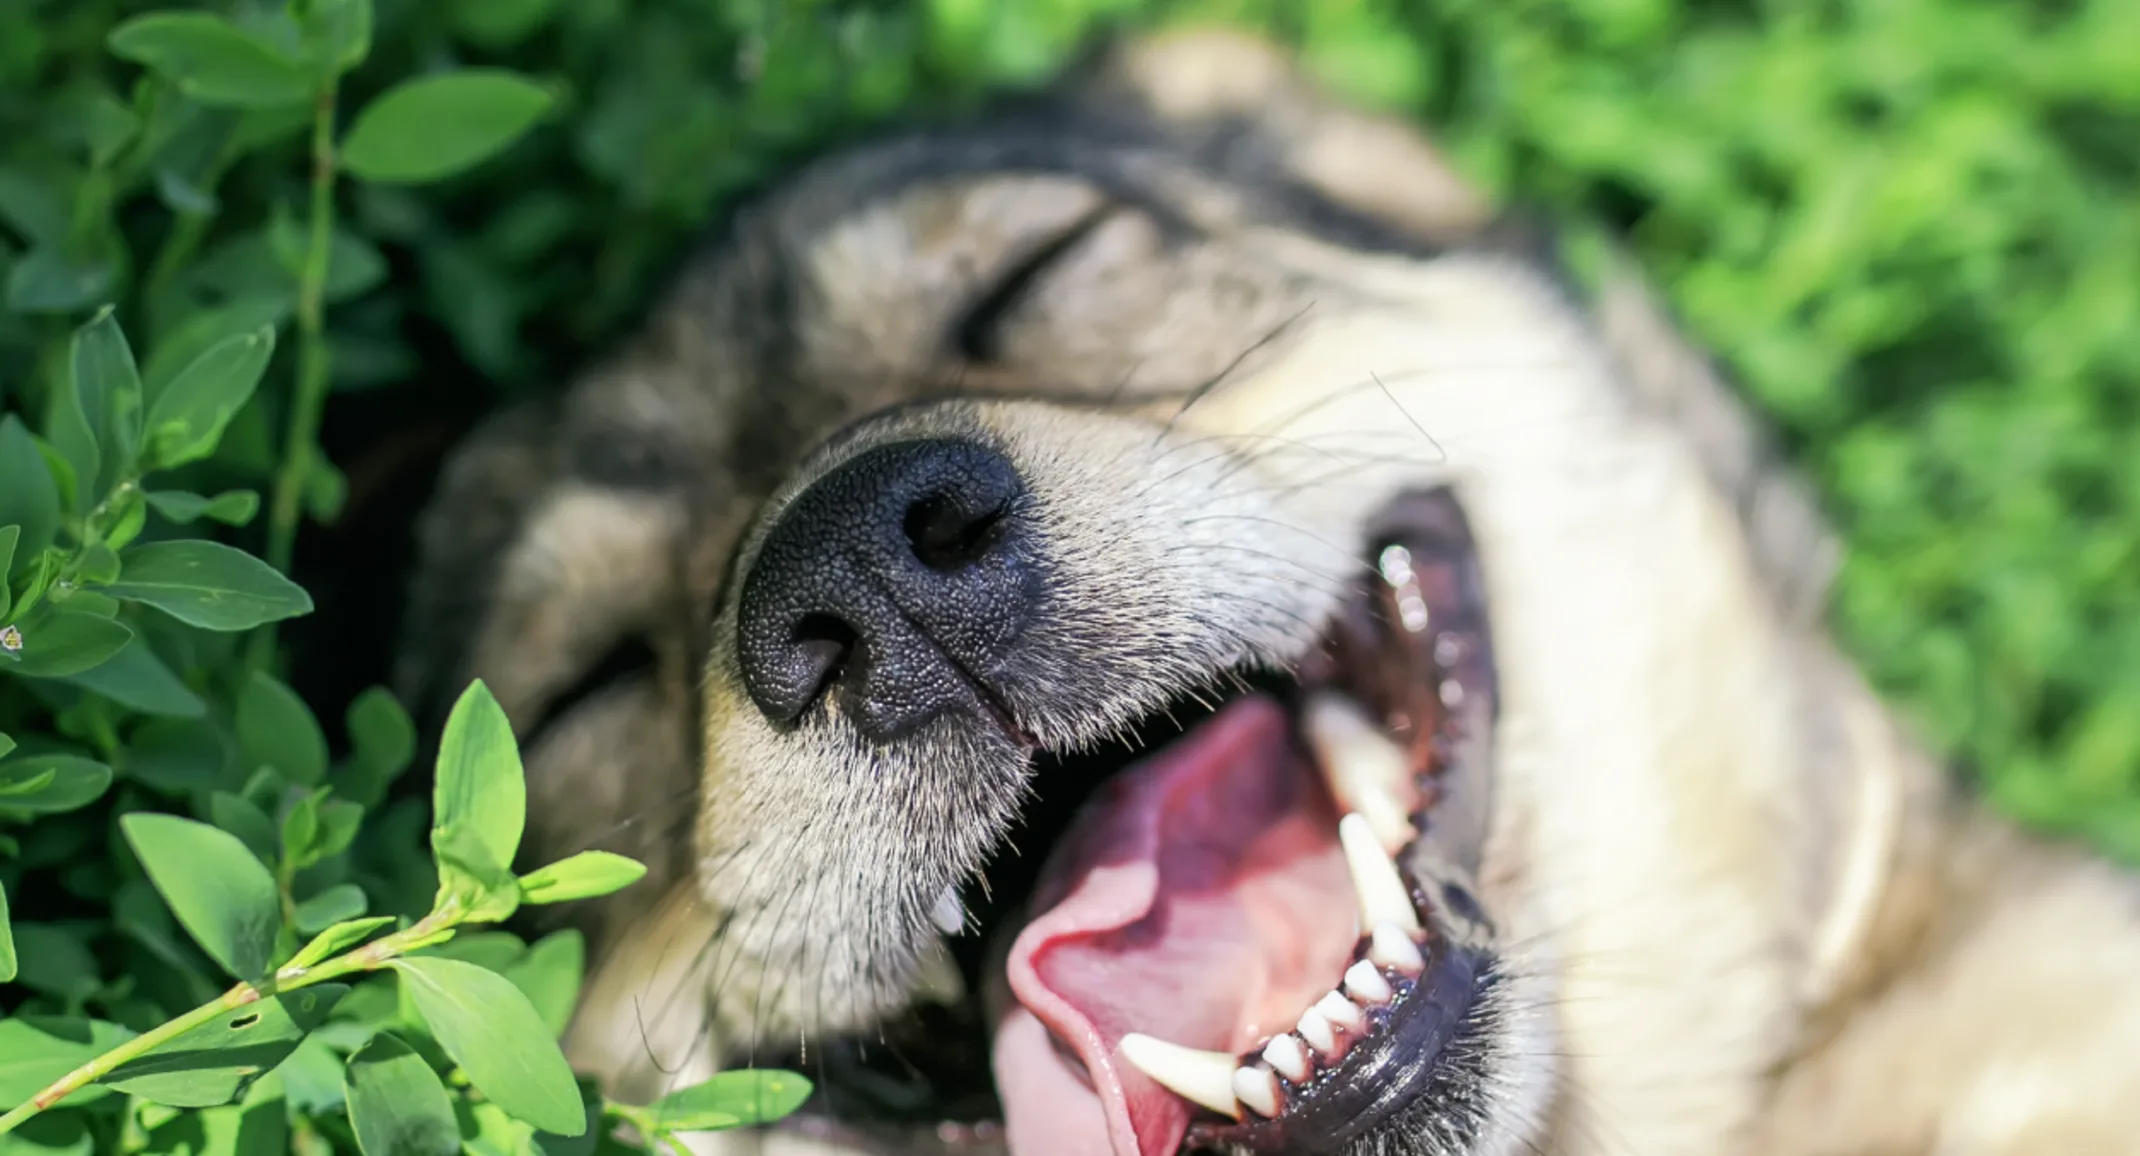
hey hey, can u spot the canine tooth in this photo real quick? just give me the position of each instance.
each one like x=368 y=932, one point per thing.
x=1383 y=895
x=1341 y=1012
x=1257 y=1088
x=1316 y=1030
x=1365 y=983
x=1390 y=947
x=1367 y=772
x=1200 y=1077
x=1285 y=1054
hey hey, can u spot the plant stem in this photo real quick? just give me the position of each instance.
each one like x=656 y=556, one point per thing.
x=369 y=957
x=309 y=399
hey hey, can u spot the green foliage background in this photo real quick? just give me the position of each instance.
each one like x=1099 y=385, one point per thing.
x=1910 y=227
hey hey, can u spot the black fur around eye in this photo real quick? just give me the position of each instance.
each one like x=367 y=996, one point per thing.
x=630 y=658
x=976 y=337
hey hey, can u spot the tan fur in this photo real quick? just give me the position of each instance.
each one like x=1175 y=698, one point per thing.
x=1743 y=912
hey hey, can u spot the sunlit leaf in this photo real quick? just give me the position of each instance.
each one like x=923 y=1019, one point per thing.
x=220 y=892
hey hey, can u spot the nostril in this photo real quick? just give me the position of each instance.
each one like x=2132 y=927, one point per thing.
x=824 y=648
x=946 y=537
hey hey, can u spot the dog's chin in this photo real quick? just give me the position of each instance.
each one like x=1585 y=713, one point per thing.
x=1250 y=926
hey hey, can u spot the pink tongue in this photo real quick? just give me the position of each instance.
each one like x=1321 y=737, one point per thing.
x=1200 y=898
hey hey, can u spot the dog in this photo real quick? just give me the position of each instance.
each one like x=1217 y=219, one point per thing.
x=1150 y=619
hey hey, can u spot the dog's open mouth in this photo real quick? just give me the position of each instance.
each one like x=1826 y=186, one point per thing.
x=1261 y=933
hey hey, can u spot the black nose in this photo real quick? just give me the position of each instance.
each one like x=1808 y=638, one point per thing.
x=892 y=586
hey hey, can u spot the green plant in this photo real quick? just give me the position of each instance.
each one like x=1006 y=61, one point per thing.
x=141 y=703
x=231 y=1055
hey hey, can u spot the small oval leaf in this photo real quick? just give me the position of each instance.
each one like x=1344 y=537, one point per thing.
x=50 y=784
x=582 y=876
x=729 y=1100
x=211 y=60
x=65 y=642
x=222 y=895
x=434 y=126
x=208 y=584
x=493 y=1032
x=397 y=1106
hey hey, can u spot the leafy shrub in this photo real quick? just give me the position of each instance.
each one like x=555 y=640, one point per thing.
x=1912 y=227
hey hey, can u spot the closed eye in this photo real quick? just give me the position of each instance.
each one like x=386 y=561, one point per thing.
x=977 y=336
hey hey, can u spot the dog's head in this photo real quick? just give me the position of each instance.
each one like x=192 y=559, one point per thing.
x=982 y=591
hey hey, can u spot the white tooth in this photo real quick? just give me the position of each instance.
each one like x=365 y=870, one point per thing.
x=1383 y=895
x=1365 y=984
x=1390 y=947
x=1316 y=1030
x=1200 y=1077
x=948 y=916
x=1367 y=772
x=1341 y=1011
x=1285 y=1054
x=1257 y=1088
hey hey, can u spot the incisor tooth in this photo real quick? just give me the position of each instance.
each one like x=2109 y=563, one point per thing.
x=1382 y=893
x=1390 y=947
x=1257 y=1088
x=1341 y=1011
x=1367 y=772
x=1363 y=982
x=1316 y=1030
x=1200 y=1077
x=1285 y=1054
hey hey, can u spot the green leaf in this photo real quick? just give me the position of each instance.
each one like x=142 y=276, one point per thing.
x=338 y=939
x=7 y=939
x=549 y=974
x=49 y=280
x=6 y=744
x=98 y=565
x=52 y=1133
x=71 y=430
x=497 y=24
x=50 y=784
x=397 y=1106
x=336 y=904
x=176 y=756
x=243 y=818
x=28 y=497
x=9 y=535
x=57 y=962
x=189 y=339
x=340 y=33
x=491 y=1030
x=135 y=677
x=582 y=876
x=479 y=803
x=432 y=127
x=36 y=1050
x=276 y=729
x=231 y=507
x=108 y=387
x=469 y=883
x=215 y=1062
x=220 y=892
x=382 y=739
x=189 y=415
x=66 y=642
x=211 y=60
x=209 y=585
x=730 y=1099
